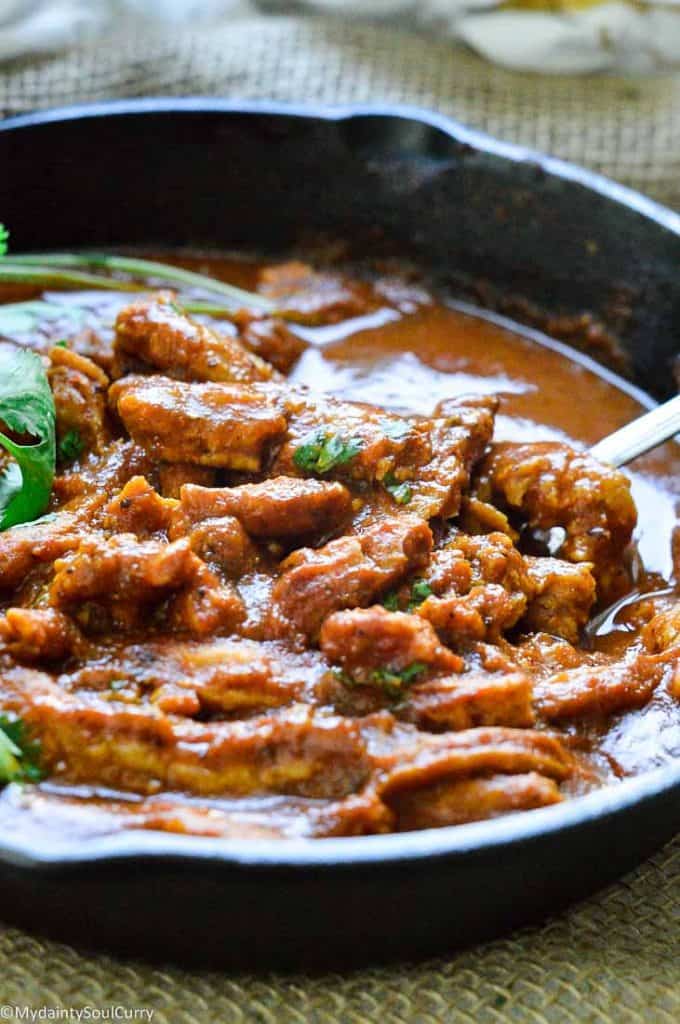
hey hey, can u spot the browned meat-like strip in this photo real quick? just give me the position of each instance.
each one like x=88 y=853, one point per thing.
x=186 y=677
x=492 y=691
x=206 y=605
x=172 y=477
x=139 y=509
x=123 y=581
x=366 y=641
x=104 y=474
x=222 y=425
x=99 y=738
x=349 y=572
x=277 y=508
x=472 y=752
x=424 y=463
x=270 y=817
x=229 y=676
x=480 y=587
x=470 y=700
x=466 y=561
x=478 y=516
x=542 y=655
x=551 y=485
x=156 y=331
x=315 y=296
x=564 y=594
x=79 y=387
x=270 y=339
x=121 y=570
x=663 y=630
x=225 y=544
x=38 y=634
x=361 y=814
x=210 y=424
x=483 y=613
x=458 y=439
x=602 y=689
x=43 y=541
x=463 y=800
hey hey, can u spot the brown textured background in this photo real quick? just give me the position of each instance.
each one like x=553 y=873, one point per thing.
x=615 y=958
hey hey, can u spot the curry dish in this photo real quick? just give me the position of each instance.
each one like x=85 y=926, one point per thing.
x=343 y=571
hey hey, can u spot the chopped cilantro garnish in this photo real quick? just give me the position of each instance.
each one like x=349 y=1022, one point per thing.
x=27 y=412
x=400 y=491
x=320 y=452
x=62 y=343
x=4 y=239
x=392 y=681
x=19 y=754
x=420 y=591
x=70 y=446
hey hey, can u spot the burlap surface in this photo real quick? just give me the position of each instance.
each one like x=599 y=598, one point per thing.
x=614 y=958
x=626 y=128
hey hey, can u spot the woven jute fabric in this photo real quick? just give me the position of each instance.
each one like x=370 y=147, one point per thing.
x=628 y=129
x=615 y=957
x=611 y=959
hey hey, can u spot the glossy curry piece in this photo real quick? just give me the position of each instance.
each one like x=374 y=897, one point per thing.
x=354 y=578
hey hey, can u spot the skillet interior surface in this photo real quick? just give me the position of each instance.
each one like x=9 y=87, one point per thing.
x=518 y=231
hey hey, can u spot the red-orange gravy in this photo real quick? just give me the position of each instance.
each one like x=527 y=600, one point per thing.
x=479 y=678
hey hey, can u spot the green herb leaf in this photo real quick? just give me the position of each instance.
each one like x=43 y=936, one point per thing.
x=70 y=446
x=27 y=411
x=320 y=452
x=4 y=239
x=410 y=674
x=400 y=491
x=420 y=591
x=393 y=681
x=19 y=754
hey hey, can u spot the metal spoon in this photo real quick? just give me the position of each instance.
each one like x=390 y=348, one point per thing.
x=641 y=435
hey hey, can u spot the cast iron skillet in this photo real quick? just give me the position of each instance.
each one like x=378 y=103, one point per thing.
x=204 y=172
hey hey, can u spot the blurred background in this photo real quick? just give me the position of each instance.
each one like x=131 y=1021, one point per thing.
x=594 y=82
x=552 y=36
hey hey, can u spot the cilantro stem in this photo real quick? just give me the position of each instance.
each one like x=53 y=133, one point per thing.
x=49 y=277
x=140 y=268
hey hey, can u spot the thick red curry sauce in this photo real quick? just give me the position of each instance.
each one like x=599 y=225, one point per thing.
x=263 y=608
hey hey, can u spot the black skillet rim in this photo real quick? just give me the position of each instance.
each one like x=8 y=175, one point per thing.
x=480 y=837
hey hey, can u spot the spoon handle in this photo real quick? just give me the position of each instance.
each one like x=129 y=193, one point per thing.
x=641 y=435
